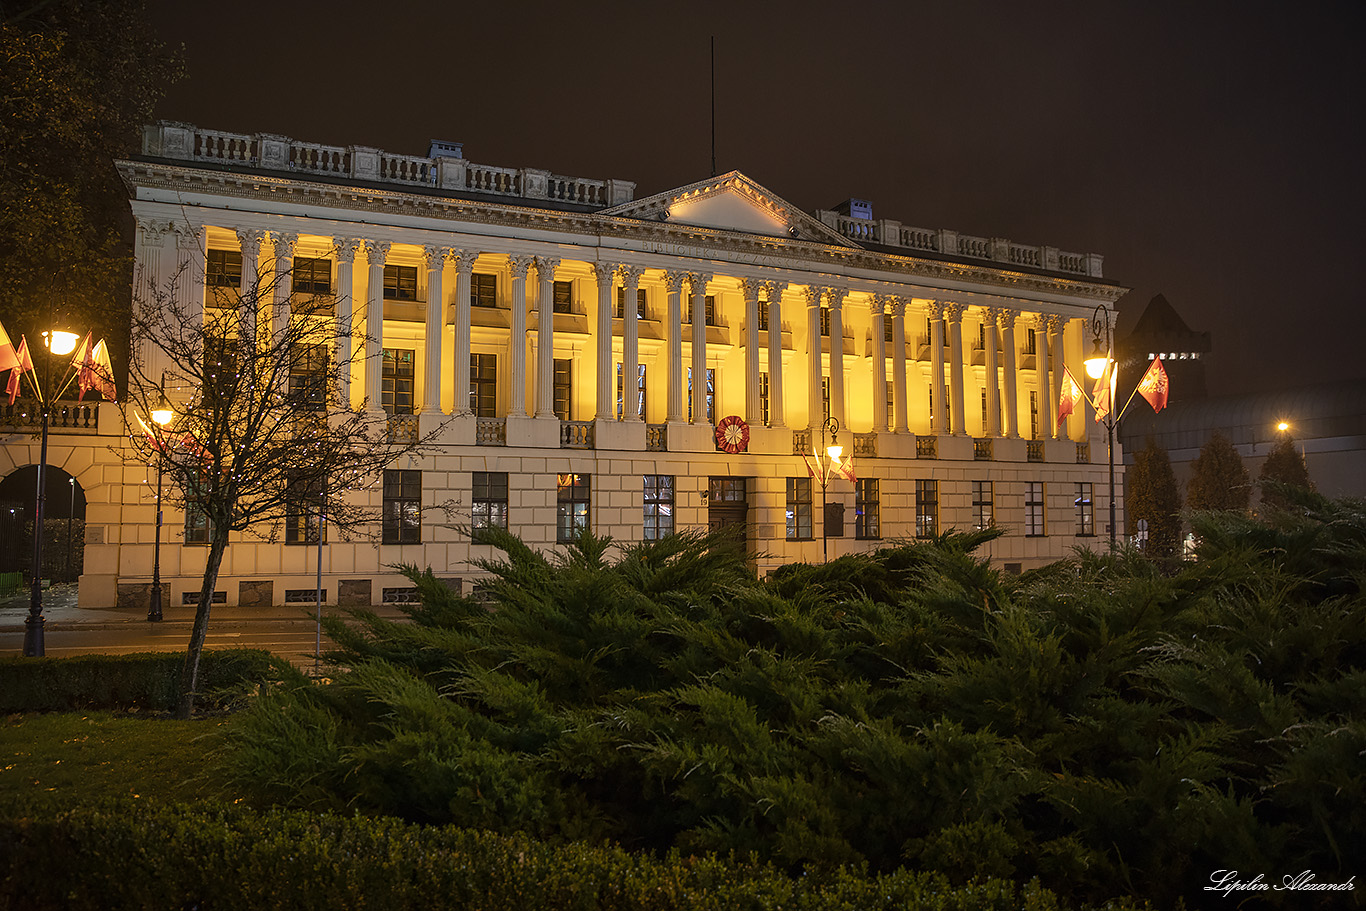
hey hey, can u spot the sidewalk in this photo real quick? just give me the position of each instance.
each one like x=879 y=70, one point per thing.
x=60 y=612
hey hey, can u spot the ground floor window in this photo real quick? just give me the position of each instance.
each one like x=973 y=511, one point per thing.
x=926 y=508
x=1034 y=509
x=488 y=502
x=659 y=506
x=402 y=506
x=867 y=524
x=572 y=499
x=799 y=509
x=983 y=505
x=303 y=509
x=1086 y=516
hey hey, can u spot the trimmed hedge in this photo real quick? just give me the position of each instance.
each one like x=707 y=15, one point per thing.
x=219 y=857
x=146 y=680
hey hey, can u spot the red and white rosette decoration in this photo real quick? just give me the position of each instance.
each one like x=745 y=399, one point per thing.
x=732 y=435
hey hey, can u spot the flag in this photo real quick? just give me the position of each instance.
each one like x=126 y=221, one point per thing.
x=1154 y=385
x=1071 y=394
x=104 y=372
x=25 y=364
x=1103 y=393
x=846 y=470
x=9 y=358
x=93 y=369
x=810 y=468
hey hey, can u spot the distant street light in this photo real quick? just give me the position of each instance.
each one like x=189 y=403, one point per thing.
x=162 y=415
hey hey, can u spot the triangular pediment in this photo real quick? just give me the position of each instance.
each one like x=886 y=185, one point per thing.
x=730 y=202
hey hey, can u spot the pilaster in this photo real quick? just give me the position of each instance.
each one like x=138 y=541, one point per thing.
x=435 y=259
x=900 y=403
x=954 y=313
x=815 y=410
x=1006 y=319
x=877 y=307
x=344 y=251
x=837 y=355
x=697 y=284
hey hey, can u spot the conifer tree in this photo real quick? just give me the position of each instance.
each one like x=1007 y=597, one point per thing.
x=1151 y=494
x=1220 y=480
x=1284 y=465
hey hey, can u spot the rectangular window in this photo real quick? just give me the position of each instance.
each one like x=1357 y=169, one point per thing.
x=563 y=300
x=1030 y=342
x=887 y=327
x=308 y=377
x=303 y=508
x=399 y=374
x=223 y=269
x=891 y=405
x=659 y=506
x=1033 y=414
x=1086 y=516
x=763 y=317
x=763 y=398
x=1034 y=510
x=825 y=322
x=926 y=508
x=709 y=311
x=310 y=275
x=983 y=505
x=799 y=509
x=640 y=302
x=640 y=393
x=483 y=290
x=984 y=412
x=488 y=502
x=484 y=385
x=400 y=283
x=867 y=524
x=711 y=395
x=402 y=506
x=198 y=528
x=561 y=388
x=982 y=336
x=825 y=396
x=573 y=495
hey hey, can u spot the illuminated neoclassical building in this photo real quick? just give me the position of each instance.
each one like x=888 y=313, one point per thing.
x=581 y=347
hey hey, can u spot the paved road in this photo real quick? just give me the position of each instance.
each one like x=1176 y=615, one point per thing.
x=290 y=632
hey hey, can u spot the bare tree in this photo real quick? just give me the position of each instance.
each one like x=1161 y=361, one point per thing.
x=261 y=442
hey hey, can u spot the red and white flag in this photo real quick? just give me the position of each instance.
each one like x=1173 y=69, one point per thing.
x=25 y=364
x=810 y=468
x=93 y=368
x=9 y=358
x=1071 y=394
x=845 y=469
x=1154 y=385
x=1103 y=393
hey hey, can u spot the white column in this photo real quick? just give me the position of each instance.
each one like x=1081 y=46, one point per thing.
x=673 y=284
x=1041 y=364
x=697 y=284
x=630 y=343
x=878 y=309
x=545 y=336
x=992 y=374
x=517 y=343
x=605 y=273
x=150 y=287
x=376 y=252
x=249 y=289
x=1055 y=357
x=435 y=258
x=813 y=358
x=954 y=312
x=190 y=264
x=463 y=260
x=940 y=412
x=776 y=417
x=344 y=250
x=837 y=356
x=284 y=267
x=899 y=400
x=1007 y=323
x=754 y=412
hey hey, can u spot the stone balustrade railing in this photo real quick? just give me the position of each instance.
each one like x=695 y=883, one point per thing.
x=576 y=434
x=889 y=233
x=801 y=442
x=65 y=417
x=865 y=445
x=490 y=432
x=656 y=437
x=281 y=153
x=926 y=447
x=402 y=428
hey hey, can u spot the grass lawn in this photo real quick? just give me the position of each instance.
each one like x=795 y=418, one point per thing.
x=60 y=760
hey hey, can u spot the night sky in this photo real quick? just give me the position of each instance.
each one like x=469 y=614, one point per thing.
x=1211 y=151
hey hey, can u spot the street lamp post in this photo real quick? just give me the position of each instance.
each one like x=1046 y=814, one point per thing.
x=828 y=456
x=1096 y=366
x=57 y=343
x=161 y=416
x=69 y=517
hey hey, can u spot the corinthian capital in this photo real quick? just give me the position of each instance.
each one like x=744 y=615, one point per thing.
x=463 y=260
x=154 y=231
x=673 y=280
x=935 y=310
x=519 y=264
x=285 y=243
x=837 y=296
x=750 y=288
x=249 y=239
x=434 y=256
x=1005 y=317
x=813 y=296
x=877 y=304
x=630 y=277
x=344 y=249
x=953 y=312
x=697 y=282
x=897 y=306
x=605 y=272
x=775 y=290
x=546 y=266
x=376 y=251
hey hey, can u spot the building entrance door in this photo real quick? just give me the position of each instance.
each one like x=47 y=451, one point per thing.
x=728 y=506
